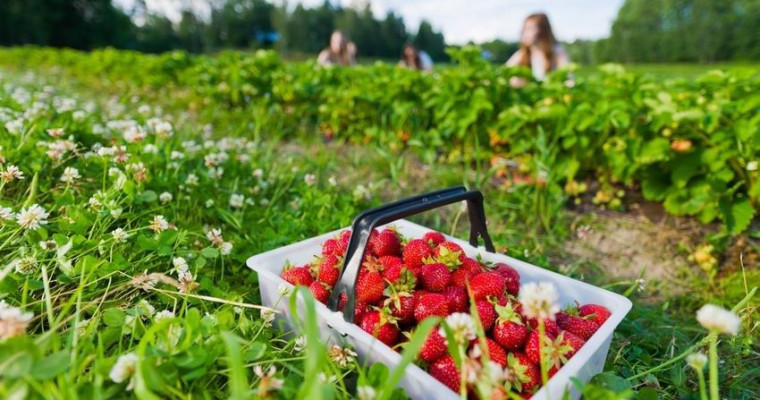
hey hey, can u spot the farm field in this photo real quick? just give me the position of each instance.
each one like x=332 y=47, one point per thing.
x=133 y=188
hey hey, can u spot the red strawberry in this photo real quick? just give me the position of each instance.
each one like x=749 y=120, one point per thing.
x=298 y=276
x=572 y=341
x=471 y=265
x=319 y=291
x=330 y=246
x=385 y=243
x=435 y=277
x=434 y=347
x=446 y=371
x=369 y=288
x=343 y=239
x=434 y=238
x=487 y=284
x=495 y=352
x=390 y=262
x=549 y=325
x=524 y=376
x=430 y=304
x=532 y=348
x=465 y=272
x=359 y=308
x=594 y=312
x=415 y=252
x=511 y=277
x=457 y=298
x=486 y=313
x=329 y=270
x=378 y=325
x=579 y=326
x=401 y=307
x=449 y=253
x=509 y=330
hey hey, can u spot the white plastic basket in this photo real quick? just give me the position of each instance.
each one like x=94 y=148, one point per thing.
x=419 y=385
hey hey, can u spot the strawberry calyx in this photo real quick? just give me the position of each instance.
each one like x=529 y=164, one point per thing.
x=517 y=374
x=506 y=313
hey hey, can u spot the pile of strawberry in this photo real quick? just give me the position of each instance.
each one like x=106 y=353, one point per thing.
x=401 y=282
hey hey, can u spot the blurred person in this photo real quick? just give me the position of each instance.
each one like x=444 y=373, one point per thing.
x=539 y=49
x=340 y=52
x=412 y=57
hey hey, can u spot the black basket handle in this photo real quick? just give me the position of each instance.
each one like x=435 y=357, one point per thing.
x=367 y=221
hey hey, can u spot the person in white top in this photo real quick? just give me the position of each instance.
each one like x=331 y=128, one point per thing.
x=539 y=49
x=413 y=58
x=341 y=51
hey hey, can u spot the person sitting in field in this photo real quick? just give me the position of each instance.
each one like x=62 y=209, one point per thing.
x=539 y=49
x=412 y=57
x=340 y=52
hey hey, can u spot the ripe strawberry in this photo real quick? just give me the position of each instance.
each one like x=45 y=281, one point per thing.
x=385 y=243
x=572 y=341
x=465 y=272
x=509 y=330
x=511 y=277
x=456 y=298
x=486 y=313
x=450 y=254
x=523 y=376
x=430 y=304
x=549 y=325
x=434 y=347
x=298 y=276
x=435 y=277
x=330 y=246
x=487 y=284
x=329 y=270
x=369 y=288
x=319 y=291
x=343 y=239
x=390 y=262
x=434 y=238
x=359 y=308
x=446 y=371
x=594 y=312
x=579 y=326
x=495 y=352
x=532 y=348
x=401 y=307
x=471 y=265
x=380 y=326
x=415 y=252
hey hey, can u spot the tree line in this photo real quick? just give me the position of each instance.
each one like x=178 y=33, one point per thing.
x=644 y=30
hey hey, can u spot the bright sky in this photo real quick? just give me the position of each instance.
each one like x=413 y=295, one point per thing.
x=464 y=20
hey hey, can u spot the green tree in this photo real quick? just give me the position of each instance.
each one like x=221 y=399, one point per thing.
x=430 y=41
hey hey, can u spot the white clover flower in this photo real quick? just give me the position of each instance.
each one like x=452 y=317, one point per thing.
x=365 y=393
x=25 y=265
x=362 y=192
x=324 y=378
x=264 y=202
x=70 y=175
x=119 y=235
x=341 y=355
x=106 y=152
x=163 y=129
x=158 y=224
x=215 y=173
x=718 y=319
x=258 y=173
x=300 y=344
x=13 y=321
x=48 y=245
x=267 y=381
x=124 y=369
x=144 y=109
x=176 y=155
x=752 y=166
x=215 y=236
x=332 y=181
x=146 y=308
x=283 y=289
x=237 y=200
x=268 y=315
x=310 y=179
x=32 y=218
x=116 y=212
x=209 y=203
x=192 y=180
x=462 y=326
x=56 y=132
x=539 y=300
x=225 y=248
x=7 y=214
x=163 y=315
x=697 y=361
x=15 y=126
x=134 y=134
x=78 y=115
x=150 y=149
x=165 y=197
x=11 y=173
x=180 y=264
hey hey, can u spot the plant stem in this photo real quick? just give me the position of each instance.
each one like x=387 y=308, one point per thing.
x=541 y=336
x=714 y=392
x=702 y=385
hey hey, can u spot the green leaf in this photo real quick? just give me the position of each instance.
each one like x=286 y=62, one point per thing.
x=113 y=317
x=255 y=352
x=654 y=150
x=147 y=196
x=52 y=365
x=737 y=215
x=210 y=252
x=611 y=382
x=238 y=383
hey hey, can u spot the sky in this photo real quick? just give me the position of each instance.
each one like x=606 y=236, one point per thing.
x=462 y=21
